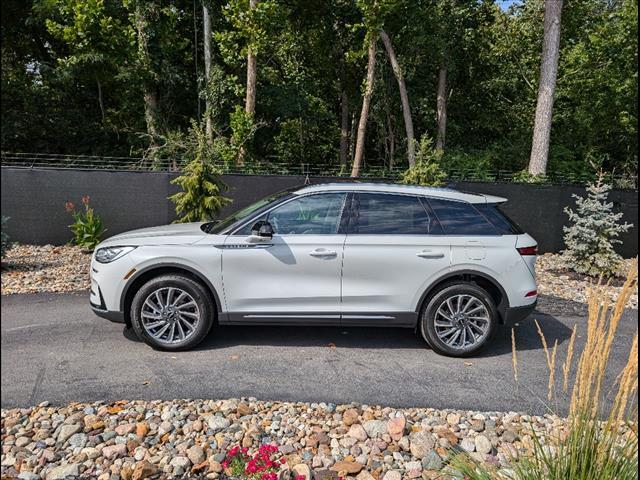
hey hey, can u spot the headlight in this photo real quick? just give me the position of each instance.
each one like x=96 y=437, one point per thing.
x=109 y=254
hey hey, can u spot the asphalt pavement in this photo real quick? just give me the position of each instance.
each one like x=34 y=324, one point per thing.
x=54 y=348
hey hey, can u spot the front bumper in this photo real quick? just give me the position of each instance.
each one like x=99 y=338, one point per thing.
x=116 y=317
x=514 y=315
x=100 y=309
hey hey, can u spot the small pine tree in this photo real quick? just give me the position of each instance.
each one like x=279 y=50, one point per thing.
x=201 y=196
x=591 y=238
x=426 y=170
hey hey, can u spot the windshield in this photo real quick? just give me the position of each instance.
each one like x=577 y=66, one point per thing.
x=219 y=226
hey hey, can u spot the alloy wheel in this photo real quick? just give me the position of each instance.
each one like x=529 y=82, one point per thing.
x=462 y=321
x=170 y=315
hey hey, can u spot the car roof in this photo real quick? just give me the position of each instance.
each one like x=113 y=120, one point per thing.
x=435 y=192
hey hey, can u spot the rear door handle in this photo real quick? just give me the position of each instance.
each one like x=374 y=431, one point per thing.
x=321 y=252
x=430 y=254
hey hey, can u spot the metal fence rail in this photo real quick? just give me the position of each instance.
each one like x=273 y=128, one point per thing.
x=271 y=166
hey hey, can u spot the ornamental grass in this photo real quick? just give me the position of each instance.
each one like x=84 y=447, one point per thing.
x=600 y=441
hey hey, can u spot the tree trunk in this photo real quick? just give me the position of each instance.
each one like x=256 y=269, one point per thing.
x=364 y=113
x=250 y=99
x=206 y=20
x=151 y=111
x=441 y=109
x=100 y=99
x=352 y=134
x=344 y=129
x=392 y=141
x=151 y=114
x=546 y=90
x=250 y=104
x=404 y=97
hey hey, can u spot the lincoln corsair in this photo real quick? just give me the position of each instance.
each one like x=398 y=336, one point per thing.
x=448 y=264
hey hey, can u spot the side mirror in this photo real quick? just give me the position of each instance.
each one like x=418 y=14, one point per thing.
x=261 y=230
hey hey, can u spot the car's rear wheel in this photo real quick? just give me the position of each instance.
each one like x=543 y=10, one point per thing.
x=458 y=320
x=172 y=312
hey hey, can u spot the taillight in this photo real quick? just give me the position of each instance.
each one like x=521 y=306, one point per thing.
x=532 y=293
x=528 y=250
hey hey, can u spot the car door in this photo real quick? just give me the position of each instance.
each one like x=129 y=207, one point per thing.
x=393 y=250
x=293 y=276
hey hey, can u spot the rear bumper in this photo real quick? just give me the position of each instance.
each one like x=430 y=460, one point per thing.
x=517 y=314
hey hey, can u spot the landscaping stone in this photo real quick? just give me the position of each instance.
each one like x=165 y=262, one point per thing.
x=165 y=439
x=63 y=471
x=375 y=428
x=483 y=445
x=357 y=432
x=421 y=443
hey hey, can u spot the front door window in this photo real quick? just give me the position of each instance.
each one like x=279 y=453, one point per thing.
x=310 y=215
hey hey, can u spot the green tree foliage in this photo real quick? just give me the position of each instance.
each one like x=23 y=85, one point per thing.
x=74 y=81
x=593 y=232
x=201 y=196
x=427 y=169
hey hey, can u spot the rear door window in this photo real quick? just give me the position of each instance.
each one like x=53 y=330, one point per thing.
x=386 y=214
x=461 y=218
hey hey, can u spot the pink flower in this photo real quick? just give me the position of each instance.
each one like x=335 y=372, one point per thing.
x=225 y=464
x=85 y=200
x=69 y=206
x=251 y=467
x=301 y=477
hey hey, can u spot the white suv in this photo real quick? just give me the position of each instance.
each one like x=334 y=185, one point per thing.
x=447 y=263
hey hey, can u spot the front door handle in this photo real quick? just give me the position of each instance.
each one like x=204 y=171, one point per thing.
x=321 y=252
x=430 y=254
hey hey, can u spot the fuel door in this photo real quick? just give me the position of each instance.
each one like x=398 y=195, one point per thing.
x=475 y=250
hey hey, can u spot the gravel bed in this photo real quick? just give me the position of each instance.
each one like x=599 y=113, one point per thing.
x=189 y=439
x=37 y=269
x=31 y=269
x=564 y=292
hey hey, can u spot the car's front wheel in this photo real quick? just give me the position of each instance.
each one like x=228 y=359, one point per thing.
x=458 y=320
x=172 y=312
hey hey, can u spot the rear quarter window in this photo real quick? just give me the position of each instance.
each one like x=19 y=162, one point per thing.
x=461 y=218
x=499 y=219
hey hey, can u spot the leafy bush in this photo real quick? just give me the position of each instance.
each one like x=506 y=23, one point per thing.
x=5 y=244
x=427 y=169
x=460 y=165
x=590 y=448
x=524 y=176
x=87 y=227
x=201 y=196
x=595 y=227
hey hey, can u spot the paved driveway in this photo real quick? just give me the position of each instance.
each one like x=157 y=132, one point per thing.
x=55 y=349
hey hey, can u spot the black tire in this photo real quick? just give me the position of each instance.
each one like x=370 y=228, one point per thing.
x=435 y=301
x=200 y=296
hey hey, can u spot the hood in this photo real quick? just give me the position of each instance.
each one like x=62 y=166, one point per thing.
x=174 y=234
